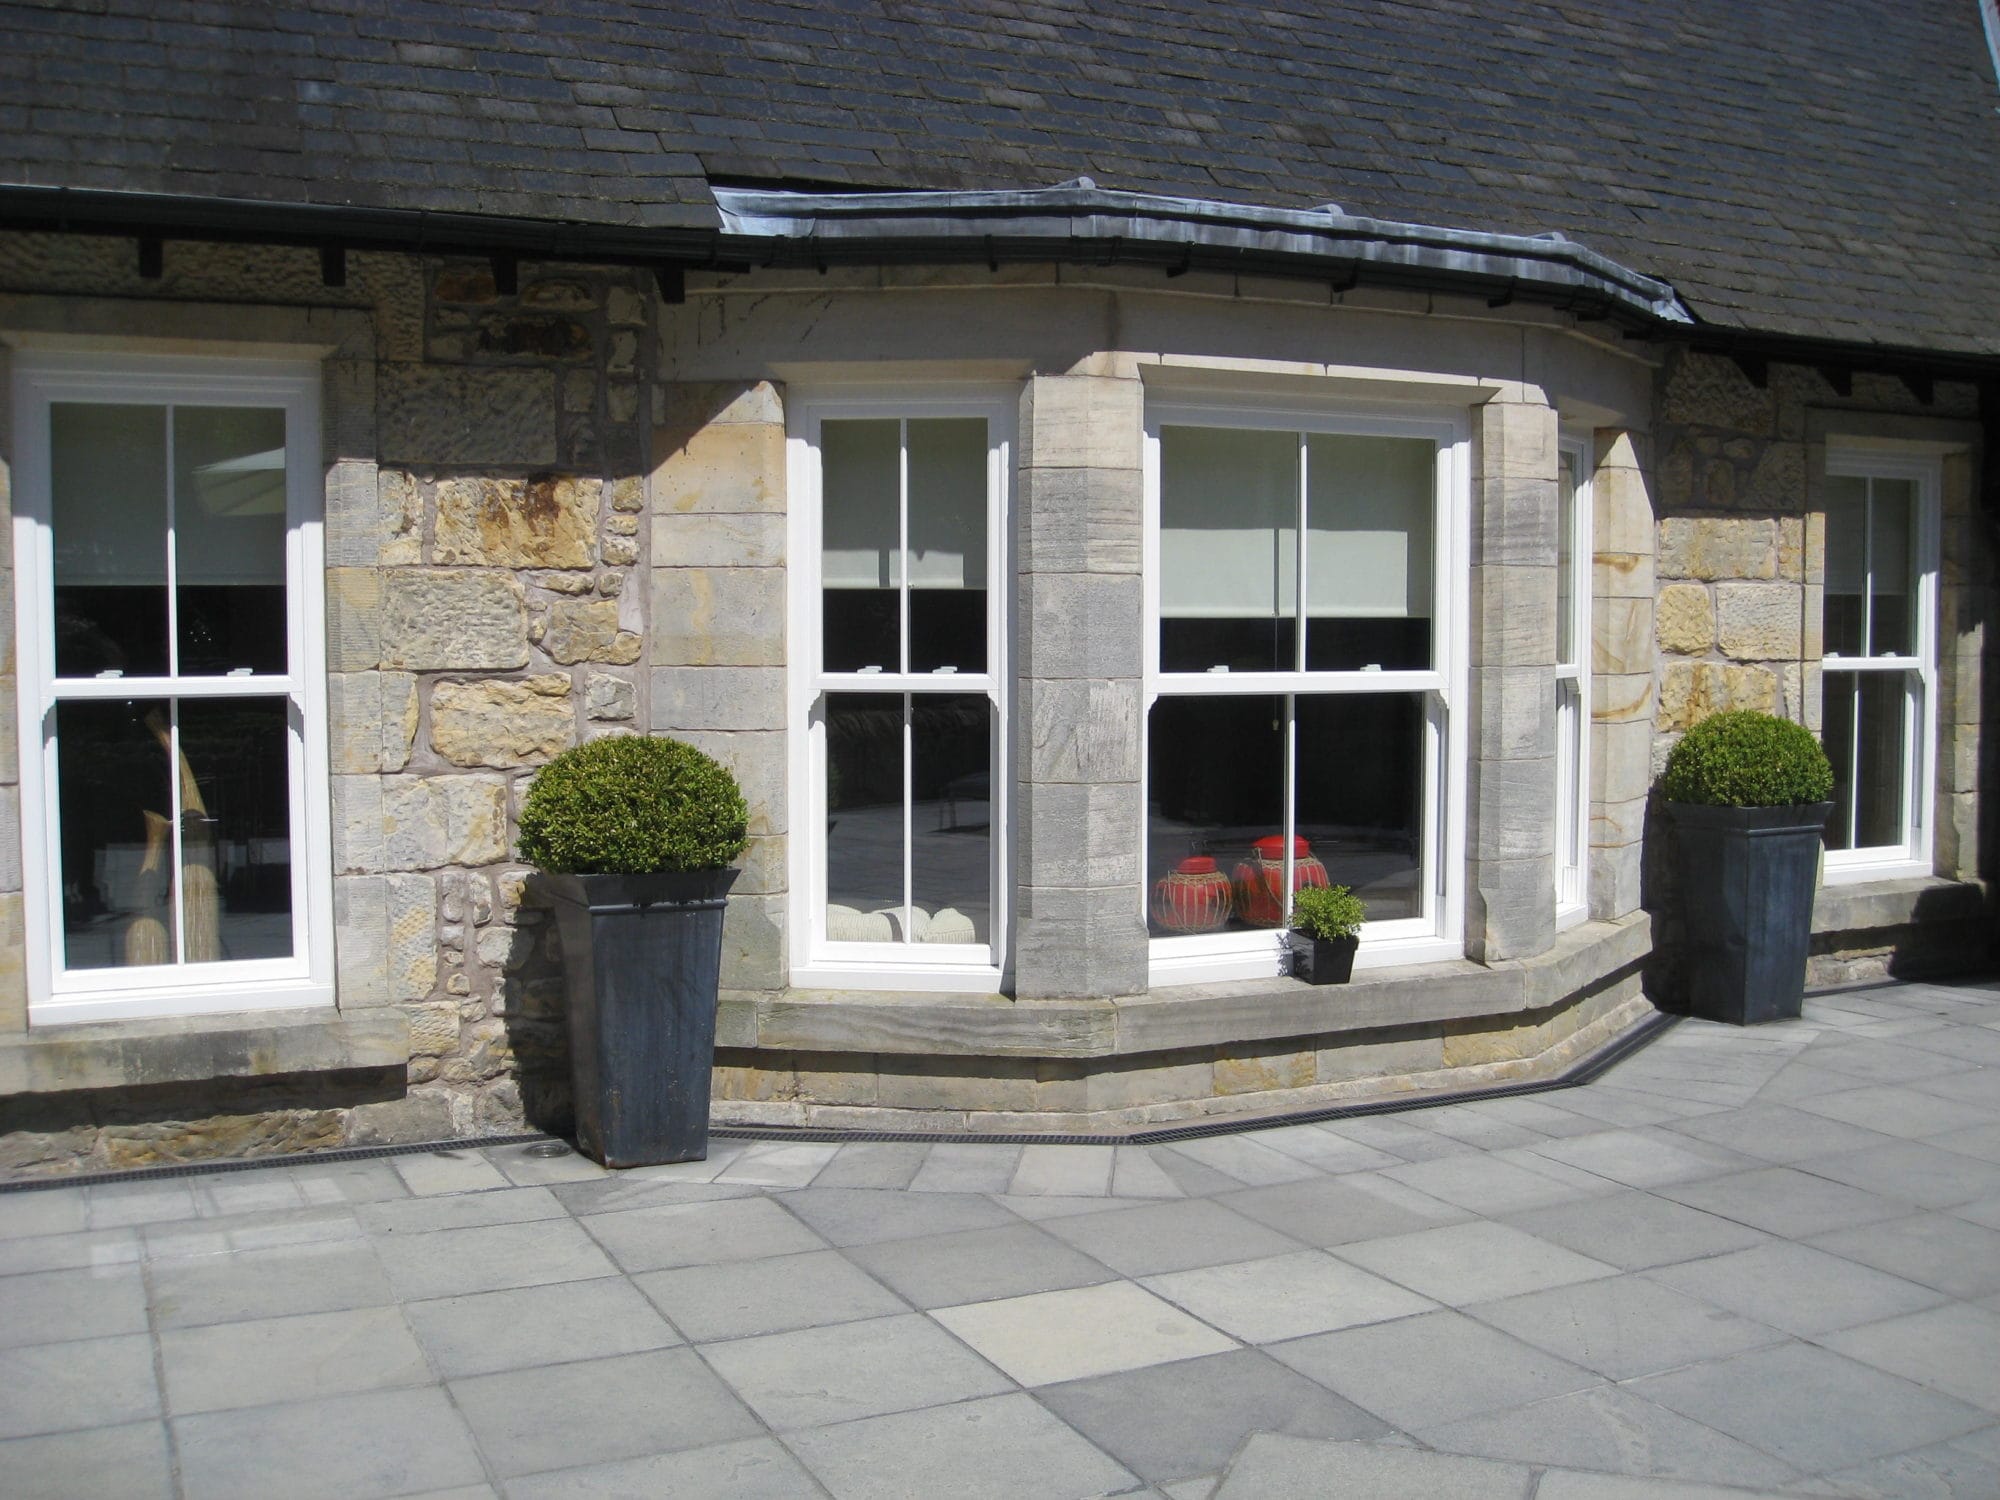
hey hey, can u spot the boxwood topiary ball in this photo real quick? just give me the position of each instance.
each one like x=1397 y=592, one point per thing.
x=632 y=806
x=1748 y=759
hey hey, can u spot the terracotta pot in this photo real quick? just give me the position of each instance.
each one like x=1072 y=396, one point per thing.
x=1260 y=880
x=1192 y=897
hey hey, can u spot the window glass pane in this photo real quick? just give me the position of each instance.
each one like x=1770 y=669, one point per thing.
x=947 y=543
x=1368 y=563
x=861 y=540
x=1228 y=540
x=1846 y=574
x=864 y=817
x=236 y=837
x=229 y=539
x=108 y=523
x=1565 y=557
x=1893 y=502
x=1360 y=795
x=1215 y=789
x=951 y=828
x=116 y=815
x=1862 y=716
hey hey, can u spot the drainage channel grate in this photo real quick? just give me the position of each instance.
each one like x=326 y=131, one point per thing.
x=1585 y=1070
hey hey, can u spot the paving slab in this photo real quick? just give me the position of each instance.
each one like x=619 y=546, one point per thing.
x=44 y=1211
x=1634 y=1229
x=814 y=1376
x=743 y=1298
x=1610 y=1428
x=752 y=1469
x=77 y=1383
x=1624 y=1326
x=264 y=1360
x=1811 y=1408
x=695 y=1234
x=1276 y=1467
x=1154 y=1238
x=1476 y=1262
x=1359 y=1206
x=447 y=1262
x=1070 y=1335
x=1187 y=1418
x=1787 y=1201
x=1796 y=1288
x=1002 y=1448
x=1951 y=1349
x=128 y=1462
x=87 y=1302
x=627 y=1406
x=1286 y=1296
x=537 y=1325
x=381 y=1443
x=518 y=1205
x=1941 y=1250
x=860 y=1216
x=979 y=1265
x=1434 y=1368
x=281 y=1280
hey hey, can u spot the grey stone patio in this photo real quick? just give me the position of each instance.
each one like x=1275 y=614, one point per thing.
x=1757 y=1261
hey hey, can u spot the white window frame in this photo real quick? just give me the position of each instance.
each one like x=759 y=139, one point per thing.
x=1572 y=832
x=1438 y=931
x=61 y=996
x=1911 y=856
x=817 y=962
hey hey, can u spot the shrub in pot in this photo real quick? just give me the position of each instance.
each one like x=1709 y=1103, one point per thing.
x=634 y=837
x=1748 y=794
x=1326 y=931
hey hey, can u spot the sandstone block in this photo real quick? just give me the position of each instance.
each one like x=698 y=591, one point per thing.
x=1621 y=511
x=624 y=305
x=719 y=617
x=506 y=948
x=1376 y=1055
x=400 y=506
x=1514 y=616
x=357 y=825
x=436 y=620
x=353 y=619
x=1622 y=636
x=1079 y=835
x=1515 y=523
x=444 y=820
x=1713 y=547
x=1691 y=691
x=1759 y=621
x=372 y=721
x=1615 y=699
x=1621 y=760
x=1622 y=575
x=1685 y=619
x=440 y=414
x=704 y=539
x=412 y=1118
x=1256 y=1073
x=1082 y=422
x=13 y=963
x=1778 y=481
x=361 y=940
x=502 y=723
x=726 y=698
x=1708 y=390
x=1080 y=730
x=619 y=551
x=726 y=467
x=588 y=631
x=1085 y=625
x=1086 y=520
x=1514 y=715
x=547 y=522
x=413 y=950
x=433 y=1029
x=607 y=697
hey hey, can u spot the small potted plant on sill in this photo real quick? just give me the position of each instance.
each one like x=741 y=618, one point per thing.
x=1748 y=795
x=1326 y=931
x=634 y=836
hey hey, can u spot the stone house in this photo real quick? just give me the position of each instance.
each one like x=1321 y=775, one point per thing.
x=984 y=436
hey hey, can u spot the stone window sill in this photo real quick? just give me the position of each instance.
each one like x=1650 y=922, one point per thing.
x=1867 y=905
x=1181 y=1016
x=194 y=1049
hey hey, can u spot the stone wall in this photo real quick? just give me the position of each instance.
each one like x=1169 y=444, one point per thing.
x=486 y=480
x=1740 y=543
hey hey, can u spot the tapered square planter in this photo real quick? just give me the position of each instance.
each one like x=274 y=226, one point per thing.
x=1322 y=960
x=642 y=960
x=1747 y=877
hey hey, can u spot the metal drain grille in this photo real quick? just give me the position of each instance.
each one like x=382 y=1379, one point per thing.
x=1581 y=1072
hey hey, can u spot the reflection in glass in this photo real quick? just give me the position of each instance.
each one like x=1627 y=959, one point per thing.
x=1369 y=502
x=236 y=838
x=947 y=567
x=1890 y=504
x=861 y=555
x=229 y=539
x=1228 y=549
x=951 y=837
x=864 y=817
x=1215 y=777
x=1360 y=795
x=108 y=525
x=115 y=810
x=1862 y=714
x=1846 y=563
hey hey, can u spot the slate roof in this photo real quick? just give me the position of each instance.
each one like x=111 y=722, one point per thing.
x=1824 y=168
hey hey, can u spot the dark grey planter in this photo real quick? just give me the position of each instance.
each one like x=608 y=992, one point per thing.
x=642 y=957
x=1323 y=960
x=1747 y=877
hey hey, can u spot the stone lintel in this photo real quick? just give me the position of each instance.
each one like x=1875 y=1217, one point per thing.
x=194 y=1049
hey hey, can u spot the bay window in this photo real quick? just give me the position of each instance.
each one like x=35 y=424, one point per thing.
x=899 y=654
x=173 y=768
x=1301 y=669
x=1877 y=683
